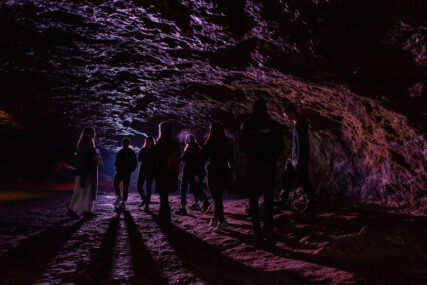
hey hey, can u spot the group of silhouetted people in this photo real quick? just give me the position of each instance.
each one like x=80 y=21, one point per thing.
x=260 y=139
x=160 y=161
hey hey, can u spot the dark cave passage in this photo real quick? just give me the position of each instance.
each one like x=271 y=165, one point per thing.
x=355 y=71
x=125 y=67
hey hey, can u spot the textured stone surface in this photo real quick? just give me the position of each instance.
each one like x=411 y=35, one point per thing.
x=357 y=69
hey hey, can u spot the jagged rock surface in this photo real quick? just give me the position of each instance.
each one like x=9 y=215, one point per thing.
x=358 y=70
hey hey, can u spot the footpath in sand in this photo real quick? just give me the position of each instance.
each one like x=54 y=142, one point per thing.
x=340 y=245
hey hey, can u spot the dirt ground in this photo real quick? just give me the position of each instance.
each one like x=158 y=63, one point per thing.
x=339 y=244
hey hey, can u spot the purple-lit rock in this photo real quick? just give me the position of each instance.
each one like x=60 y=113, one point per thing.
x=358 y=70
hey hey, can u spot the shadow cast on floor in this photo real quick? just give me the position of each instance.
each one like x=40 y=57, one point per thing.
x=35 y=252
x=209 y=264
x=98 y=271
x=146 y=270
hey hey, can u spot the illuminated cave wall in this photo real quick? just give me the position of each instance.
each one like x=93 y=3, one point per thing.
x=125 y=66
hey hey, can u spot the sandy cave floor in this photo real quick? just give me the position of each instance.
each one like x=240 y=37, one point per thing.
x=340 y=244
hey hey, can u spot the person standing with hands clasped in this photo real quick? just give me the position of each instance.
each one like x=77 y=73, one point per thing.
x=125 y=164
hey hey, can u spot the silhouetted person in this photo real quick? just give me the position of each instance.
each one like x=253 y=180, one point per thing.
x=125 y=164
x=193 y=173
x=86 y=181
x=146 y=172
x=218 y=154
x=167 y=154
x=262 y=141
x=300 y=152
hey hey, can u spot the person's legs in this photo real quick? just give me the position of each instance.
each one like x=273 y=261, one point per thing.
x=126 y=181
x=218 y=221
x=216 y=182
x=140 y=184
x=192 y=182
x=184 y=183
x=215 y=191
x=254 y=209
x=253 y=201
x=198 y=192
x=200 y=195
x=268 y=184
x=288 y=182
x=148 y=186
x=212 y=185
x=219 y=206
x=117 y=180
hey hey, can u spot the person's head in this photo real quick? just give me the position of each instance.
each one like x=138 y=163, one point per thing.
x=260 y=106
x=165 y=131
x=149 y=142
x=190 y=139
x=216 y=133
x=87 y=135
x=126 y=142
x=290 y=113
x=190 y=142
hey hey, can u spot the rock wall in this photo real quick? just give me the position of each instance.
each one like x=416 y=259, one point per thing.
x=356 y=69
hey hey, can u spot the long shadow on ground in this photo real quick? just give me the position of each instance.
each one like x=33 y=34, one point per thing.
x=213 y=267
x=34 y=254
x=100 y=268
x=374 y=257
x=146 y=270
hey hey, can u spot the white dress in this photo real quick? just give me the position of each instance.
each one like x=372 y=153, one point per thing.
x=82 y=199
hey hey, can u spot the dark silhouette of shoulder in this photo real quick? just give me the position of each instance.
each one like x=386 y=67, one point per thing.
x=260 y=133
x=126 y=160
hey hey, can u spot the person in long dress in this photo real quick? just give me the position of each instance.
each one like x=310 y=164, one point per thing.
x=86 y=180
